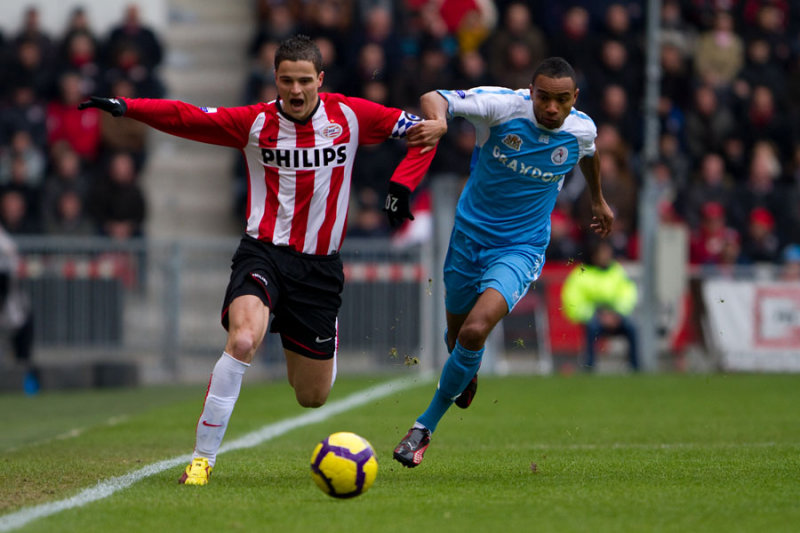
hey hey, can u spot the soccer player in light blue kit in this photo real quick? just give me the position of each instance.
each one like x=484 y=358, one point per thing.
x=527 y=141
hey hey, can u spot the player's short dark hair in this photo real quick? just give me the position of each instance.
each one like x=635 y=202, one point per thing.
x=555 y=67
x=299 y=48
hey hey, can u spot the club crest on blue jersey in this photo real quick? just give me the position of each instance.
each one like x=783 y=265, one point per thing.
x=559 y=155
x=331 y=130
x=513 y=141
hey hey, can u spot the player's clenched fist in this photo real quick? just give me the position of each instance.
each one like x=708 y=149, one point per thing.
x=115 y=106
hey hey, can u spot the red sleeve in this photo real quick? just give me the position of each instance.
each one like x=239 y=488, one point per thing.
x=378 y=123
x=413 y=167
x=374 y=120
x=224 y=126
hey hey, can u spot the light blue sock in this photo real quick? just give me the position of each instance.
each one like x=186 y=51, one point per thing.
x=456 y=374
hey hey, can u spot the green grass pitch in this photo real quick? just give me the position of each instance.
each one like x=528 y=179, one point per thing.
x=580 y=453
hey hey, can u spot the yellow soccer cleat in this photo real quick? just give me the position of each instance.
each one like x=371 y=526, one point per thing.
x=197 y=473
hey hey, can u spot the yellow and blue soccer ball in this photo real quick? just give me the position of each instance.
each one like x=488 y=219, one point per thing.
x=344 y=465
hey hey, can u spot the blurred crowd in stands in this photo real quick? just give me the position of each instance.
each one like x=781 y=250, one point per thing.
x=62 y=171
x=729 y=146
x=729 y=156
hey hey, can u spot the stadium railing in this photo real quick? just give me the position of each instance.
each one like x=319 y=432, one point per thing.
x=155 y=306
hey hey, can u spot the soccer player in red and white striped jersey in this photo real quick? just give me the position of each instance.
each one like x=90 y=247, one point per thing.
x=299 y=151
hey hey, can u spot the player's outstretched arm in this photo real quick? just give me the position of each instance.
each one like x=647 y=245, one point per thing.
x=221 y=126
x=115 y=106
x=602 y=216
x=433 y=128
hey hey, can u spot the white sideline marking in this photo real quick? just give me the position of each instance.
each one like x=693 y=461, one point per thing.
x=108 y=487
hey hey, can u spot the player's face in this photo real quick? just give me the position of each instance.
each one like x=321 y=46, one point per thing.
x=298 y=87
x=553 y=99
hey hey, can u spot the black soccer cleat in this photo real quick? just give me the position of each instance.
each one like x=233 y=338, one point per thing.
x=465 y=398
x=411 y=449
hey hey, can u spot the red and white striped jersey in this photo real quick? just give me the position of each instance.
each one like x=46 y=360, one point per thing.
x=299 y=172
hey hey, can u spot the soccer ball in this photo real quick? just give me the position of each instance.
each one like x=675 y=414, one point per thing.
x=344 y=465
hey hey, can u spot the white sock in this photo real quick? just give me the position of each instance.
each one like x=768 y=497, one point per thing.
x=335 y=354
x=223 y=390
x=333 y=373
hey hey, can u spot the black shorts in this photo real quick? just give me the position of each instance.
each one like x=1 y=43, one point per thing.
x=302 y=291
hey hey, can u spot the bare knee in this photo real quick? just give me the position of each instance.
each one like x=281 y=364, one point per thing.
x=473 y=334
x=242 y=344
x=311 y=397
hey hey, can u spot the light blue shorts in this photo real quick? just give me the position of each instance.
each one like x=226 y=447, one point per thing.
x=470 y=269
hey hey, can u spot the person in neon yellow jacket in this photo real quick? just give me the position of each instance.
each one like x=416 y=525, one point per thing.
x=601 y=295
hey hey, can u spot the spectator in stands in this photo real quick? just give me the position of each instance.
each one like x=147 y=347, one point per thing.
x=25 y=111
x=335 y=75
x=471 y=70
x=614 y=66
x=516 y=29
x=768 y=20
x=28 y=68
x=262 y=72
x=761 y=243
x=68 y=218
x=761 y=188
x=600 y=295
x=670 y=151
x=18 y=182
x=719 y=53
x=32 y=31
x=517 y=66
x=118 y=203
x=765 y=121
x=125 y=62
x=16 y=214
x=735 y=154
x=16 y=316
x=675 y=29
x=711 y=184
x=432 y=71
x=132 y=34
x=21 y=147
x=276 y=23
x=476 y=25
x=65 y=123
x=371 y=65
x=618 y=26
x=760 y=69
x=68 y=175
x=377 y=29
x=332 y=19
x=78 y=22
x=574 y=42
x=676 y=76
x=615 y=108
x=708 y=123
x=713 y=242
x=80 y=56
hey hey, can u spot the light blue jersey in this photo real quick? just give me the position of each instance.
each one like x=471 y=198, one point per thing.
x=518 y=167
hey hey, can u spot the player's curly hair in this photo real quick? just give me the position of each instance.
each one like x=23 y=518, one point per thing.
x=299 y=48
x=555 y=67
